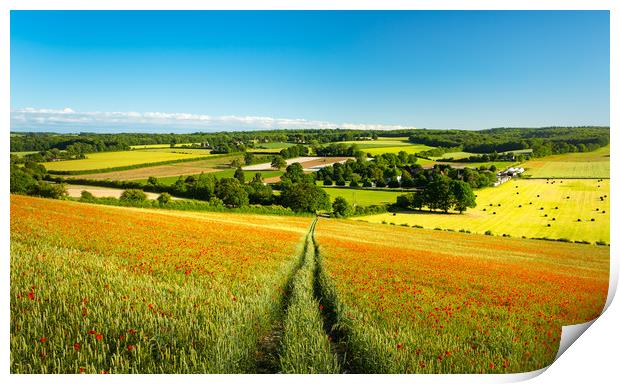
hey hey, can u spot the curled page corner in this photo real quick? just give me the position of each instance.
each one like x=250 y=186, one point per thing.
x=570 y=333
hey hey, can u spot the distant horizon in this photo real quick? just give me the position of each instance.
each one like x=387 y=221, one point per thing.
x=239 y=70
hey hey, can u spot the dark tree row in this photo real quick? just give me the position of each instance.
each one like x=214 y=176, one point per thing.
x=542 y=141
x=443 y=193
x=399 y=171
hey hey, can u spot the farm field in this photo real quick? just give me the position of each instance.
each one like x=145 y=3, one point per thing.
x=157 y=146
x=222 y=174
x=363 y=196
x=164 y=292
x=421 y=301
x=409 y=148
x=21 y=154
x=76 y=191
x=189 y=151
x=308 y=163
x=592 y=165
x=102 y=160
x=270 y=147
x=215 y=164
x=512 y=214
x=454 y=155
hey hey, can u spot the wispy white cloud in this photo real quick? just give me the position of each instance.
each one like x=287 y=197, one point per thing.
x=69 y=120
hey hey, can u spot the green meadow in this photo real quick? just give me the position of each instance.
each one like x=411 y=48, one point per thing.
x=586 y=165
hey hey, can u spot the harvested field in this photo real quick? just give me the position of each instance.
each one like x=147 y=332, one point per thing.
x=187 y=168
x=572 y=209
x=76 y=191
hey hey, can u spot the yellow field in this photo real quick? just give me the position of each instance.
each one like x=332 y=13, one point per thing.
x=592 y=165
x=151 y=146
x=498 y=211
x=102 y=160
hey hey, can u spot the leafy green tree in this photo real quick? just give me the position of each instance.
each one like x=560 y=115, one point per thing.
x=248 y=158
x=341 y=207
x=49 y=190
x=464 y=196
x=21 y=182
x=231 y=192
x=152 y=180
x=259 y=193
x=304 y=197
x=438 y=195
x=278 y=162
x=133 y=195
x=239 y=175
x=406 y=180
x=405 y=201
x=235 y=163
x=295 y=174
x=86 y=196
x=164 y=198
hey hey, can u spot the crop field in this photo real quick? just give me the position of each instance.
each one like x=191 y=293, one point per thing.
x=270 y=147
x=410 y=148
x=102 y=160
x=309 y=163
x=22 y=154
x=454 y=155
x=585 y=165
x=157 y=146
x=215 y=164
x=76 y=191
x=222 y=174
x=363 y=196
x=420 y=301
x=526 y=208
x=201 y=151
x=154 y=292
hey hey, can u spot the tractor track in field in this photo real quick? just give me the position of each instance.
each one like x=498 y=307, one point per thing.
x=271 y=344
x=329 y=313
x=268 y=357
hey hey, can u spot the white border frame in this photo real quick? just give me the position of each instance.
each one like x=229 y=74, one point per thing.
x=594 y=357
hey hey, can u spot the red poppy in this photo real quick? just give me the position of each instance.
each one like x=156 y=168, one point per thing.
x=132 y=331
x=131 y=347
x=399 y=346
x=104 y=372
x=491 y=366
x=43 y=339
x=92 y=332
x=31 y=295
x=82 y=370
x=77 y=346
x=122 y=337
x=320 y=307
x=99 y=337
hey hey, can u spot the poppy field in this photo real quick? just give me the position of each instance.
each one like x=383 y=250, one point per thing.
x=104 y=290
x=423 y=301
x=100 y=289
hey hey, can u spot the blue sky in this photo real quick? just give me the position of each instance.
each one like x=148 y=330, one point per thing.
x=188 y=71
